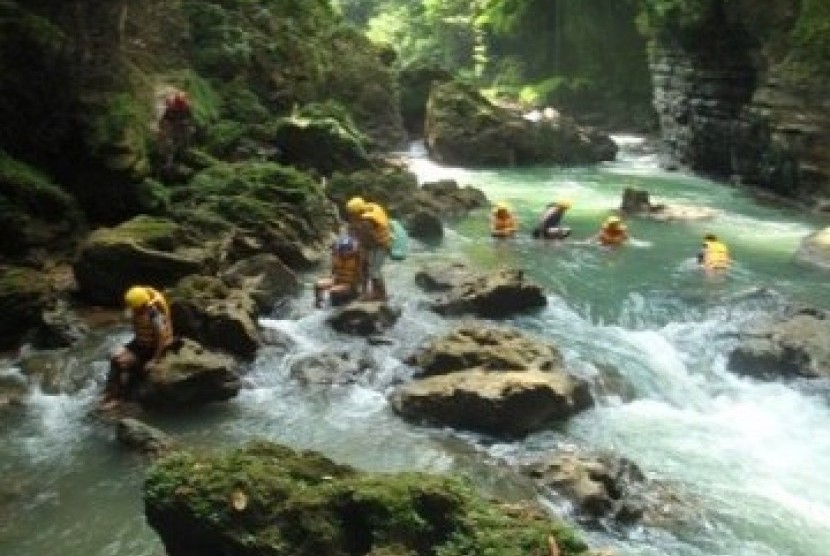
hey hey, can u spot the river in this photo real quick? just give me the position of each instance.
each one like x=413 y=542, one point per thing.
x=753 y=456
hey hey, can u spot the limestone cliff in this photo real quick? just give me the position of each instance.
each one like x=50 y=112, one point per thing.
x=743 y=91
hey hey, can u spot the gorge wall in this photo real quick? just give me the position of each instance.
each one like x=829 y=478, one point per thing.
x=742 y=92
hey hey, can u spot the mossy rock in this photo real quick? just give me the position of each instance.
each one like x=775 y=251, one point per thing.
x=24 y=294
x=321 y=144
x=270 y=499
x=34 y=211
x=144 y=250
x=393 y=188
x=276 y=209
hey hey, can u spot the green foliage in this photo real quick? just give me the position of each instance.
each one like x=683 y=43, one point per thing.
x=811 y=35
x=674 y=16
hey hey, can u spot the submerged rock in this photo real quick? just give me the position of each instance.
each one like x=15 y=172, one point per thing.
x=332 y=368
x=637 y=202
x=143 y=438
x=269 y=499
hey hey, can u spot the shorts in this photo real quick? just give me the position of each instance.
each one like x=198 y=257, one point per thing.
x=374 y=262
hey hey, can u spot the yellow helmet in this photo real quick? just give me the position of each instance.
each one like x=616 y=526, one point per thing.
x=137 y=297
x=564 y=203
x=613 y=221
x=501 y=205
x=356 y=205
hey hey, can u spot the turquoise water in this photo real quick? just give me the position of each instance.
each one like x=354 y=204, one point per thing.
x=751 y=457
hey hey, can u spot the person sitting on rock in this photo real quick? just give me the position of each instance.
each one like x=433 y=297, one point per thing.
x=344 y=283
x=549 y=226
x=153 y=333
x=502 y=222
x=714 y=255
x=613 y=232
x=369 y=223
x=175 y=127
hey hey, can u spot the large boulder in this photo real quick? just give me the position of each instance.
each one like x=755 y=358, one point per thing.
x=490 y=379
x=497 y=295
x=270 y=499
x=25 y=294
x=273 y=209
x=265 y=277
x=144 y=250
x=205 y=309
x=815 y=250
x=188 y=375
x=324 y=144
x=793 y=346
x=477 y=344
x=464 y=128
x=501 y=403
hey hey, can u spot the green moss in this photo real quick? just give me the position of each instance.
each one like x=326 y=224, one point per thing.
x=22 y=282
x=811 y=35
x=253 y=181
x=148 y=231
x=305 y=505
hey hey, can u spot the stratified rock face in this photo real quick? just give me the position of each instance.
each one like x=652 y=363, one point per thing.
x=736 y=98
x=462 y=127
x=267 y=499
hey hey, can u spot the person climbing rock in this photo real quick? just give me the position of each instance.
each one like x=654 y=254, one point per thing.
x=369 y=223
x=343 y=284
x=612 y=232
x=550 y=223
x=153 y=334
x=714 y=254
x=502 y=221
x=175 y=127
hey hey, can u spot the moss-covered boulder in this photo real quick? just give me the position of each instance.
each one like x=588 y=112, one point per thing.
x=144 y=250
x=269 y=499
x=274 y=209
x=34 y=211
x=24 y=295
x=205 y=309
x=321 y=144
x=462 y=127
x=265 y=278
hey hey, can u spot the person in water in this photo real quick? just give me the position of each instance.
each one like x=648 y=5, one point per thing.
x=153 y=334
x=714 y=255
x=502 y=221
x=613 y=232
x=369 y=223
x=550 y=223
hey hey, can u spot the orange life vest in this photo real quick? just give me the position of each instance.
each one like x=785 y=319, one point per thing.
x=613 y=235
x=503 y=224
x=146 y=333
x=345 y=269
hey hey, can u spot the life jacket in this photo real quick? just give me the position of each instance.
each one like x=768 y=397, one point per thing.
x=502 y=224
x=345 y=269
x=143 y=327
x=716 y=255
x=381 y=235
x=609 y=235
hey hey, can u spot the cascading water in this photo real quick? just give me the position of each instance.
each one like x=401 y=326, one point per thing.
x=751 y=457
